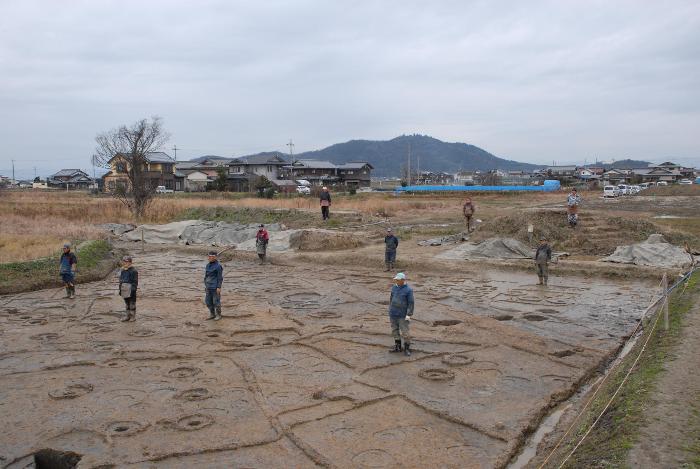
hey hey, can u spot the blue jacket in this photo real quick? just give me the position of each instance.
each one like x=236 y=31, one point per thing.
x=66 y=262
x=213 y=275
x=131 y=276
x=401 y=301
x=391 y=242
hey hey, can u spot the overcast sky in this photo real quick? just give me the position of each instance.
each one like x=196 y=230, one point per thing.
x=537 y=82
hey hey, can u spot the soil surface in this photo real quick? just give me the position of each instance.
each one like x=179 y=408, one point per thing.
x=673 y=423
x=298 y=373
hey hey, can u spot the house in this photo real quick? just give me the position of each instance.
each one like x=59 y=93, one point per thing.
x=440 y=178
x=319 y=173
x=159 y=171
x=561 y=171
x=655 y=174
x=193 y=180
x=356 y=173
x=71 y=179
x=262 y=164
x=616 y=176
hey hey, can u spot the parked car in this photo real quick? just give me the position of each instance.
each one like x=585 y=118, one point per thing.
x=685 y=181
x=662 y=183
x=305 y=190
x=163 y=190
x=611 y=191
x=624 y=189
x=645 y=185
x=636 y=189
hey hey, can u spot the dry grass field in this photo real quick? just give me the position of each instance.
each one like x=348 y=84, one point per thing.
x=35 y=224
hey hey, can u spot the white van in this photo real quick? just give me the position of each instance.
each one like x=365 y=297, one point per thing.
x=611 y=191
x=662 y=183
x=624 y=189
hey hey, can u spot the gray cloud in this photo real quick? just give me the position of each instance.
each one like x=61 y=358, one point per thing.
x=537 y=82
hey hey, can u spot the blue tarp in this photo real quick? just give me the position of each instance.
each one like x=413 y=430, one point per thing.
x=548 y=186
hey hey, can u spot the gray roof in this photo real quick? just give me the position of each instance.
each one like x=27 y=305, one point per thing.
x=561 y=168
x=355 y=165
x=68 y=172
x=259 y=159
x=316 y=164
x=159 y=157
x=186 y=164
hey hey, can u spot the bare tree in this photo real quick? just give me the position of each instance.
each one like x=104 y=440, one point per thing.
x=127 y=148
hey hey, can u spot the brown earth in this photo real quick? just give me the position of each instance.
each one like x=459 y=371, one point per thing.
x=298 y=374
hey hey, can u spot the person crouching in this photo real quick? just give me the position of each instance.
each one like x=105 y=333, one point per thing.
x=128 y=284
x=400 y=311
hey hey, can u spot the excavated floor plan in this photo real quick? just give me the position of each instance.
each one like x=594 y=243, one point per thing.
x=298 y=373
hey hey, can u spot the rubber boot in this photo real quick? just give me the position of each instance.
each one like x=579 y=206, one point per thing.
x=397 y=347
x=212 y=314
x=67 y=293
x=388 y=268
x=540 y=281
x=407 y=349
x=545 y=282
x=217 y=317
x=72 y=291
x=126 y=315
x=132 y=315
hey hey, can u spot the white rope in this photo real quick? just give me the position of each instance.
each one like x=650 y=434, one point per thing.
x=624 y=380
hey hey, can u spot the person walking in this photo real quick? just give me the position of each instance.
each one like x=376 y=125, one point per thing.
x=68 y=263
x=400 y=312
x=468 y=211
x=213 y=278
x=542 y=257
x=573 y=200
x=128 y=283
x=391 y=242
x=261 y=239
x=325 y=199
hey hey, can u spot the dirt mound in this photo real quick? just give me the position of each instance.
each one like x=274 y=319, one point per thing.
x=494 y=248
x=210 y=233
x=595 y=235
x=323 y=240
x=655 y=251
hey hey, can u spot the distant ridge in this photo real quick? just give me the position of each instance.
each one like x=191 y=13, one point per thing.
x=388 y=156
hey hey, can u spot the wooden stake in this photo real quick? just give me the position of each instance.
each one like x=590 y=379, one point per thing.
x=664 y=285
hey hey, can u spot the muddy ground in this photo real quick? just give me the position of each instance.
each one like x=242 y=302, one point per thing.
x=298 y=373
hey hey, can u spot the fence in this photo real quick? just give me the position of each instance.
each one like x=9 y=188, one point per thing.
x=660 y=307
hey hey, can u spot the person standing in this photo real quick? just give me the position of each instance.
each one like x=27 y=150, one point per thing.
x=468 y=211
x=572 y=202
x=261 y=239
x=68 y=263
x=391 y=242
x=213 y=278
x=542 y=257
x=400 y=311
x=128 y=283
x=325 y=199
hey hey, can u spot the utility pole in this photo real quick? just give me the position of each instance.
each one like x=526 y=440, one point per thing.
x=13 y=172
x=175 y=150
x=34 y=172
x=418 y=169
x=409 y=164
x=291 y=151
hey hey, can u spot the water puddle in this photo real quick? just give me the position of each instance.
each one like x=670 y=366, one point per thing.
x=547 y=426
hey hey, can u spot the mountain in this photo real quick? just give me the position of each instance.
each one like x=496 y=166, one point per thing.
x=427 y=153
x=627 y=164
x=388 y=156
